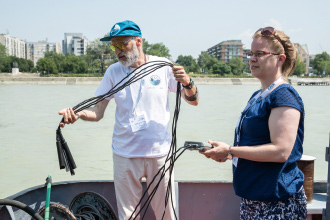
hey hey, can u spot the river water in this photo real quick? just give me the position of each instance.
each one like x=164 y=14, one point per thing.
x=28 y=121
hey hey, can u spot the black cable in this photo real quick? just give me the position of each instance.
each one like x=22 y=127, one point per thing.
x=64 y=154
x=156 y=187
x=171 y=156
x=88 y=212
x=65 y=157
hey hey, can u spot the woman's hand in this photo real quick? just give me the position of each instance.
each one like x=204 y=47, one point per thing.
x=219 y=153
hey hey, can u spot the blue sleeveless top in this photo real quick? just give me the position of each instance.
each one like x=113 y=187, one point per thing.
x=269 y=181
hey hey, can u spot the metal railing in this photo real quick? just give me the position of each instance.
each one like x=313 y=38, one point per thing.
x=326 y=211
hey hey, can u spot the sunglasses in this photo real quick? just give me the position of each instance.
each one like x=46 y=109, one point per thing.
x=268 y=31
x=120 y=46
x=259 y=54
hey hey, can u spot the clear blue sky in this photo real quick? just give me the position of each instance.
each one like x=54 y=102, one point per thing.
x=186 y=27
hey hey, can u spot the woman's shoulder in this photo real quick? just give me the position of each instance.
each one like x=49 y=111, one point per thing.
x=286 y=95
x=285 y=89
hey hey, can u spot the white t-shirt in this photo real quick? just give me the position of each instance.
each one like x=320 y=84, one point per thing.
x=148 y=97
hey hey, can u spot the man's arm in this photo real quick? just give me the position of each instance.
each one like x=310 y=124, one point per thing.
x=94 y=113
x=190 y=94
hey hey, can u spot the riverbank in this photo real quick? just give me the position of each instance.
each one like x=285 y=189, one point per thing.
x=26 y=78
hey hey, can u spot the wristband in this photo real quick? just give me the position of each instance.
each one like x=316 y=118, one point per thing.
x=230 y=155
x=192 y=98
x=190 y=85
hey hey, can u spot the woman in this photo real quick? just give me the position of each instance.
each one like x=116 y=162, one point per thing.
x=268 y=136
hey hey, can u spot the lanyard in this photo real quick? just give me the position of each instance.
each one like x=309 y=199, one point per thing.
x=139 y=94
x=257 y=98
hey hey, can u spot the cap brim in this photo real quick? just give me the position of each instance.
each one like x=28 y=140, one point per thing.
x=106 y=38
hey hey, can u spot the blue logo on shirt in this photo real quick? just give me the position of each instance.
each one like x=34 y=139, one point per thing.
x=155 y=80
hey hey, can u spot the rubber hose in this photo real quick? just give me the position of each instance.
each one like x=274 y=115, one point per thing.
x=21 y=206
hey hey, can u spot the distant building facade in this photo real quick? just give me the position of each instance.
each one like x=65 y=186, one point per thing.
x=37 y=50
x=245 y=59
x=226 y=50
x=303 y=54
x=15 y=46
x=74 y=43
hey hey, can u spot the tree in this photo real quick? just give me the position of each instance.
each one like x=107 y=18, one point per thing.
x=206 y=62
x=57 y=58
x=157 y=49
x=202 y=60
x=246 y=68
x=100 y=52
x=3 y=57
x=31 y=65
x=300 y=68
x=3 y=51
x=6 y=64
x=74 y=64
x=236 y=65
x=93 y=65
x=319 y=58
x=189 y=63
x=145 y=45
x=325 y=66
x=221 y=68
x=46 y=66
x=82 y=67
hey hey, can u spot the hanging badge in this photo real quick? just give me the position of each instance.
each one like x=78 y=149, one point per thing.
x=235 y=160
x=138 y=123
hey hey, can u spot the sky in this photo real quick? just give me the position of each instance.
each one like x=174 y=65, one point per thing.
x=185 y=27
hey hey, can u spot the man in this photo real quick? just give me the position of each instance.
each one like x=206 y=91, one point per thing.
x=141 y=137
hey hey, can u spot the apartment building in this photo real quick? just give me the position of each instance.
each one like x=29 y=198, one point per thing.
x=15 y=46
x=74 y=43
x=226 y=50
x=37 y=50
x=303 y=54
x=245 y=59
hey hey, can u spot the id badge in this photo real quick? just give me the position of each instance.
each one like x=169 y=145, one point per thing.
x=138 y=123
x=235 y=160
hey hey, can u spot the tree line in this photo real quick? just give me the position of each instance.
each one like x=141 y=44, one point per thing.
x=6 y=62
x=99 y=56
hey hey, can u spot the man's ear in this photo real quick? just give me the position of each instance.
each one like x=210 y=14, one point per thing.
x=138 y=41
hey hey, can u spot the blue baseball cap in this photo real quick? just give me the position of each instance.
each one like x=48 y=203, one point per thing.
x=124 y=28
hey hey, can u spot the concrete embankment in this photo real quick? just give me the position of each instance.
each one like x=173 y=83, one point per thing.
x=51 y=80
x=26 y=79
x=35 y=79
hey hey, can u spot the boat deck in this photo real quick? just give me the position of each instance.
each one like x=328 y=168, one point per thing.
x=196 y=200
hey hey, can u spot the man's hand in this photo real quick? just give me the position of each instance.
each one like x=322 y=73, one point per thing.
x=69 y=116
x=180 y=75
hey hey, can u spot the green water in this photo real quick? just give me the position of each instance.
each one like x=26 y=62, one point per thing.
x=28 y=121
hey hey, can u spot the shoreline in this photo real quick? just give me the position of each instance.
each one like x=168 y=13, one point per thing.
x=35 y=79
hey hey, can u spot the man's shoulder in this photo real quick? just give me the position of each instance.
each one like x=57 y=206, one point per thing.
x=156 y=58
x=116 y=67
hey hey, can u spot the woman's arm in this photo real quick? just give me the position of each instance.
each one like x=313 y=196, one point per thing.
x=283 y=126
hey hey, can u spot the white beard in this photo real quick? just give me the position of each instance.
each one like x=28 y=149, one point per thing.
x=131 y=56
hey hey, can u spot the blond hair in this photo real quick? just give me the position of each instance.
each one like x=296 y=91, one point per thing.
x=284 y=47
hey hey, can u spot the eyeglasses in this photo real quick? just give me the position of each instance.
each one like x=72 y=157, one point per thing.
x=120 y=46
x=259 y=54
x=267 y=31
